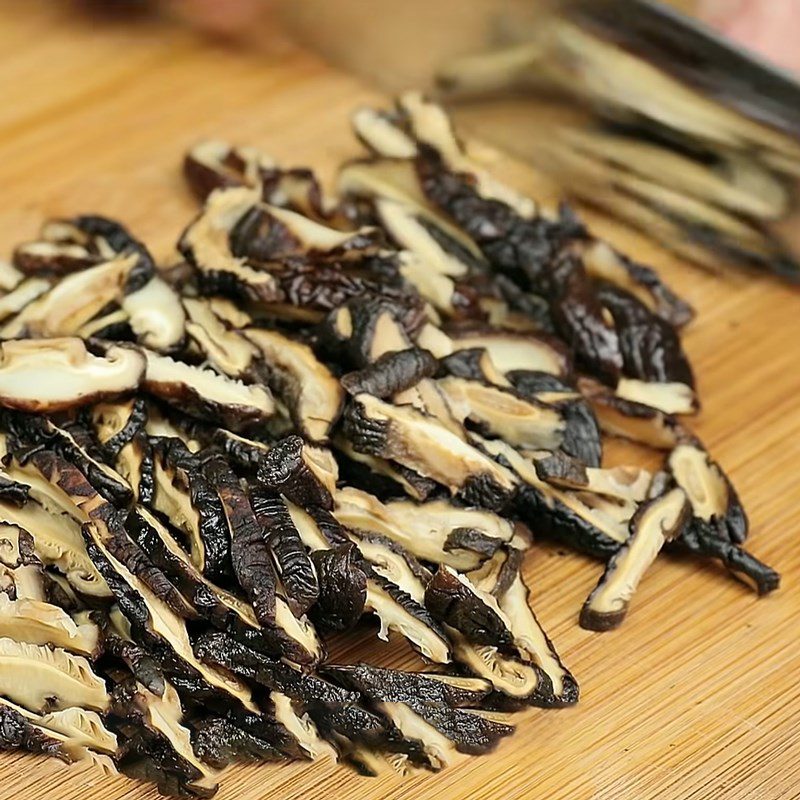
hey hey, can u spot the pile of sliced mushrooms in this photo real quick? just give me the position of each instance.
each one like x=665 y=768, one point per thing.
x=329 y=410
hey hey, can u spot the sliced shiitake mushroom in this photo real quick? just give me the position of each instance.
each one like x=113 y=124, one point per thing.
x=656 y=522
x=312 y=394
x=47 y=375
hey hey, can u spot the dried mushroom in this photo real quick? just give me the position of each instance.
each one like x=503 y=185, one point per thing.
x=305 y=384
x=178 y=549
x=718 y=526
x=47 y=375
x=655 y=523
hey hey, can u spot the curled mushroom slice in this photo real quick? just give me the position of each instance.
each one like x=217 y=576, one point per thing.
x=419 y=442
x=434 y=531
x=656 y=522
x=305 y=474
x=250 y=556
x=380 y=476
x=604 y=263
x=186 y=497
x=623 y=483
x=391 y=373
x=155 y=315
x=206 y=394
x=213 y=164
x=312 y=394
x=586 y=521
x=116 y=423
x=293 y=565
x=46 y=375
x=75 y=300
x=269 y=233
x=380 y=132
x=474 y=364
x=225 y=349
x=44 y=679
x=342 y=587
x=159 y=746
x=453 y=599
x=206 y=245
x=718 y=526
x=555 y=684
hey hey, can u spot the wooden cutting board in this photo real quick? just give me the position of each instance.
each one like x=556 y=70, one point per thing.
x=697 y=696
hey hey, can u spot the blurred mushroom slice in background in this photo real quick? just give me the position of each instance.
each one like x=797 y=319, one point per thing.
x=686 y=137
x=638 y=109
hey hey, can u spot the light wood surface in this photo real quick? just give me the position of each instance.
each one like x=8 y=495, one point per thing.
x=697 y=696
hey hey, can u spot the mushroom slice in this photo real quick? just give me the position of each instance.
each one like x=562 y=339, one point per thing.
x=62 y=734
x=301 y=727
x=74 y=443
x=206 y=394
x=156 y=624
x=219 y=742
x=656 y=522
x=308 y=473
x=502 y=577
x=293 y=565
x=421 y=443
x=582 y=439
x=74 y=300
x=213 y=164
x=56 y=534
x=10 y=276
x=631 y=420
x=517 y=420
x=623 y=483
x=380 y=476
x=511 y=351
x=206 y=245
x=342 y=587
x=312 y=394
x=226 y=350
x=269 y=233
x=117 y=643
x=474 y=364
x=718 y=526
x=43 y=679
x=155 y=315
x=37 y=622
x=250 y=555
x=22 y=295
x=430 y=531
x=47 y=375
x=391 y=373
x=186 y=497
x=159 y=738
x=604 y=263
x=589 y=523
x=668 y=398
x=379 y=132
x=428 y=708
x=453 y=599
x=396 y=609
x=116 y=423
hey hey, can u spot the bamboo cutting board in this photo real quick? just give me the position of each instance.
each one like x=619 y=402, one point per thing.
x=697 y=696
